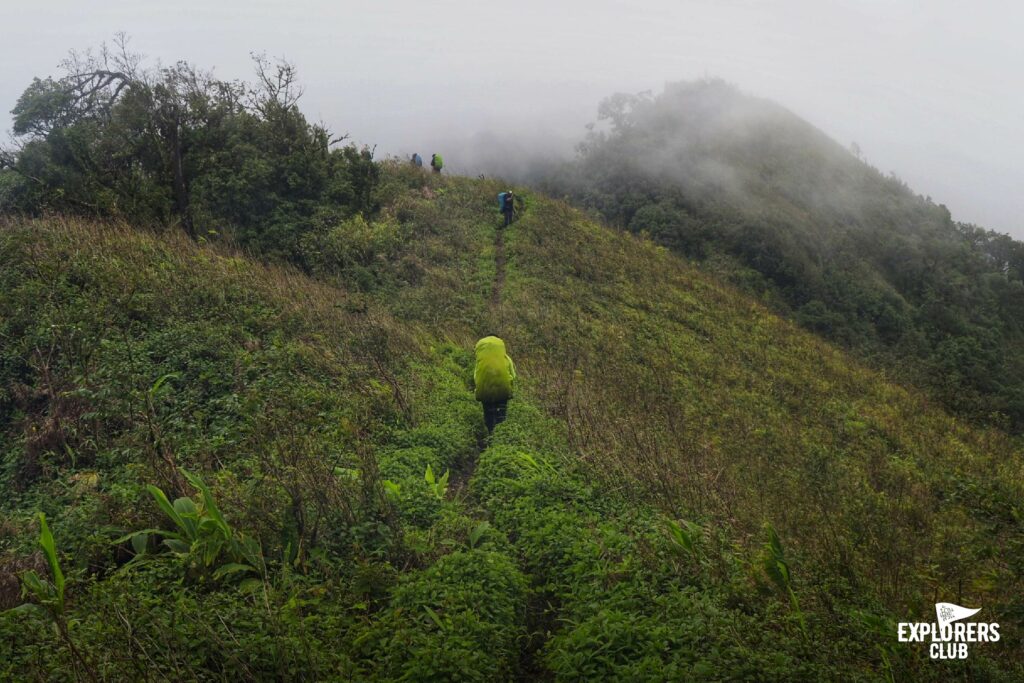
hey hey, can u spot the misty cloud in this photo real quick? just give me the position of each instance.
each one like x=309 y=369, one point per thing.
x=925 y=93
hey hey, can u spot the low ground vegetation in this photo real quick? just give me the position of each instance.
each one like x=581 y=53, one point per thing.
x=334 y=509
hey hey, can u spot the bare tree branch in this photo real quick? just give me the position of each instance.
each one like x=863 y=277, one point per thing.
x=276 y=86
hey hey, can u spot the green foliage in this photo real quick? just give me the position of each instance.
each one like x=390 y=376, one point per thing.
x=438 y=486
x=357 y=252
x=459 y=620
x=49 y=595
x=289 y=629
x=412 y=494
x=478 y=533
x=311 y=412
x=204 y=539
x=684 y=536
x=767 y=201
x=173 y=145
x=777 y=569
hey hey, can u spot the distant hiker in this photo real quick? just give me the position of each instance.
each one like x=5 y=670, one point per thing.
x=436 y=163
x=493 y=378
x=509 y=208
x=417 y=160
x=506 y=202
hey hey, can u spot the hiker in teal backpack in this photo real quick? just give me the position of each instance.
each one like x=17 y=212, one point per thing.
x=507 y=204
x=417 y=160
x=436 y=163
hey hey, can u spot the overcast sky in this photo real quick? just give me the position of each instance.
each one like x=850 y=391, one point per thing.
x=930 y=90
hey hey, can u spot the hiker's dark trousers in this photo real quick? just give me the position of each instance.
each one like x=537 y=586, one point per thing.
x=508 y=217
x=494 y=414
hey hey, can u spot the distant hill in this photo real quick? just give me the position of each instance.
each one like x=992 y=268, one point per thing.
x=764 y=198
x=688 y=485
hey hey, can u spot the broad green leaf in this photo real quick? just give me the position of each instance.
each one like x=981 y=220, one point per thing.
x=165 y=505
x=209 y=505
x=151 y=532
x=211 y=549
x=160 y=382
x=211 y=527
x=774 y=543
x=31 y=608
x=190 y=526
x=50 y=550
x=33 y=583
x=682 y=537
x=529 y=460
x=251 y=551
x=477 y=532
x=348 y=473
x=185 y=506
x=391 y=489
x=139 y=542
x=232 y=568
x=178 y=546
x=433 y=617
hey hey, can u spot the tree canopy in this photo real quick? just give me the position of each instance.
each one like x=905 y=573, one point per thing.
x=174 y=145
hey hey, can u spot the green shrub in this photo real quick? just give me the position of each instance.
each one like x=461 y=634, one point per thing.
x=141 y=619
x=459 y=620
x=203 y=541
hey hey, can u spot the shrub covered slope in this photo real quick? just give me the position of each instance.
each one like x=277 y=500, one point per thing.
x=761 y=196
x=687 y=486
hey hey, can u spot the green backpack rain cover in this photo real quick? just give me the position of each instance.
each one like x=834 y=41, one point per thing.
x=494 y=373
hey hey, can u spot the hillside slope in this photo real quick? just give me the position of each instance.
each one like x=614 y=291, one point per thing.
x=621 y=524
x=766 y=199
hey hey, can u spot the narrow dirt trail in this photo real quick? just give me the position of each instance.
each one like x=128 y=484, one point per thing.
x=460 y=476
x=499 y=268
x=463 y=472
x=531 y=667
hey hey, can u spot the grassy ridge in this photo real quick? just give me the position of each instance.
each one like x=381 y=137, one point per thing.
x=616 y=526
x=745 y=418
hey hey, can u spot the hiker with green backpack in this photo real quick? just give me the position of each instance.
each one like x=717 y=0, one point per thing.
x=493 y=379
x=436 y=163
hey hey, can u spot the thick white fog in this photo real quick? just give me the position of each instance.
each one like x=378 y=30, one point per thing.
x=930 y=91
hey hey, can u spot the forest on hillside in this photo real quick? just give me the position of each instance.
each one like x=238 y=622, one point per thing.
x=763 y=198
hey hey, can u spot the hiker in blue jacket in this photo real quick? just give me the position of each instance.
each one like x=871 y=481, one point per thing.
x=417 y=160
x=507 y=204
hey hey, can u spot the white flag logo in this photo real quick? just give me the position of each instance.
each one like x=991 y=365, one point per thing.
x=947 y=612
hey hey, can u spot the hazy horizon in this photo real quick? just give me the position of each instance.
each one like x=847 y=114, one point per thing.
x=926 y=95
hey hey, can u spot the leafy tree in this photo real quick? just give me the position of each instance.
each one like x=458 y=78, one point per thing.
x=175 y=145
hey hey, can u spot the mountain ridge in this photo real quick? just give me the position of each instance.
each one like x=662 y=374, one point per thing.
x=619 y=524
x=772 y=204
